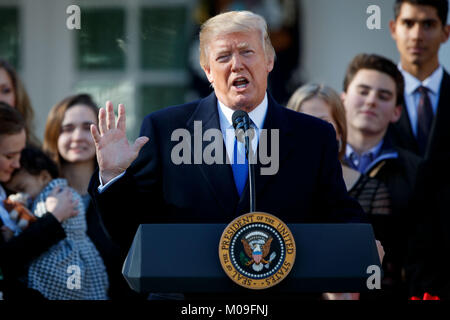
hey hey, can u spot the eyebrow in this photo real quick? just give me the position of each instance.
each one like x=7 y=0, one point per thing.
x=226 y=49
x=243 y=45
x=385 y=91
x=422 y=21
x=72 y=123
x=222 y=52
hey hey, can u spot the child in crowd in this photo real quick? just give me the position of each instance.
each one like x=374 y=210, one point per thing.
x=73 y=268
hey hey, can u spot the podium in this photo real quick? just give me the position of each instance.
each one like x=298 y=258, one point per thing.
x=168 y=258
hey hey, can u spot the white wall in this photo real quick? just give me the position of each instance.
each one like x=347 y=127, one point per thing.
x=334 y=31
x=47 y=55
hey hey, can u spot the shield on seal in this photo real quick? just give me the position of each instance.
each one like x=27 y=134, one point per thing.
x=257 y=256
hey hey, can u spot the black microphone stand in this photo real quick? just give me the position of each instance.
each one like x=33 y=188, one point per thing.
x=251 y=166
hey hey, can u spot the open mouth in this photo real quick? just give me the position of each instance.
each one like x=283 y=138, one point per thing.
x=241 y=83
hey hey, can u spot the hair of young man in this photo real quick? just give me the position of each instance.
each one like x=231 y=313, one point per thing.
x=441 y=7
x=377 y=63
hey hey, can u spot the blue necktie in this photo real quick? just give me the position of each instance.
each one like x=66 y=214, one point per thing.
x=239 y=166
x=364 y=161
x=360 y=163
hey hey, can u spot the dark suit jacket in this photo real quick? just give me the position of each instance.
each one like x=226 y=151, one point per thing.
x=307 y=188
x=429 y=231
x=428 y=262
x=402 y=134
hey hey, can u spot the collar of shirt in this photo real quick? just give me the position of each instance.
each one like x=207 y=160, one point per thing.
x=353 y=157
x=257 y=115
x=433 y=83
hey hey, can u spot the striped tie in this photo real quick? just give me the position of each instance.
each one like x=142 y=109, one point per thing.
x=424 y=119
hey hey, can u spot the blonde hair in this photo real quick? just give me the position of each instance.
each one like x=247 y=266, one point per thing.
x=332 y=99
x=230 y=22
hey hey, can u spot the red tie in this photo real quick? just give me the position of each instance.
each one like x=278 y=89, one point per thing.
x=424 y=119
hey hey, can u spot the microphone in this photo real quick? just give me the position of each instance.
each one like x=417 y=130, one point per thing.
x=241 y=123
x=244 y=133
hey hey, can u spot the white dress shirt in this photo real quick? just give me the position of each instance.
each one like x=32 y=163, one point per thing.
x=412 y=97
x=257 y=115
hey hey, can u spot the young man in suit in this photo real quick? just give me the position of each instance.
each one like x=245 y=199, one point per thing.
x=147 y=186
x=419 y=29
x=373 y=94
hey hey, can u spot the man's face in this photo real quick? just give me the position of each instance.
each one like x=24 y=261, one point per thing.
x=419 y=34
x=238 y=69
x=370 y=102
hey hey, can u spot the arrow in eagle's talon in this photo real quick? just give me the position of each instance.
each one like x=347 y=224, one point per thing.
x=272 y=256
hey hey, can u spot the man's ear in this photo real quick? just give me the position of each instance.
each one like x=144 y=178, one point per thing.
x=446 y=33
x=270 y=64
x=208 y=74
x=396 y=114
x=392 y=27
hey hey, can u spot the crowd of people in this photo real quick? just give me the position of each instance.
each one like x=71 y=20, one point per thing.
x=384 y=163
x=49 y=181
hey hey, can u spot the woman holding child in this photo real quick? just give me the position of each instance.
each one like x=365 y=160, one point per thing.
x=16 y=252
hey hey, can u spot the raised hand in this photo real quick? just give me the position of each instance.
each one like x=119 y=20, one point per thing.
x=114 y=153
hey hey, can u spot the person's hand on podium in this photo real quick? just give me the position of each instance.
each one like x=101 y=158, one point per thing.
x=341 y=296
x=380 y=251
x=114 y=153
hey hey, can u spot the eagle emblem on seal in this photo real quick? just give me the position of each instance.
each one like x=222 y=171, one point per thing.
x=257 y=247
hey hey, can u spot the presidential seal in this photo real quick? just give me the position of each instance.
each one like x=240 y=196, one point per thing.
x=257 y=250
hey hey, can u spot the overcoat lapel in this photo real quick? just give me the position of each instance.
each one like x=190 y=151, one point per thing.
x=219 y=177
x=440 y=129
